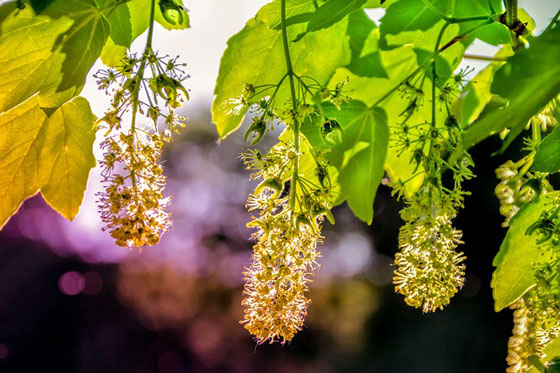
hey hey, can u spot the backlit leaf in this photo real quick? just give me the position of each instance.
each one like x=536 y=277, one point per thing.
x=514 y=274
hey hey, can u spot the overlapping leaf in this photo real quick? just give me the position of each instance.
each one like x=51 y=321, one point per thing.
x=399 y=63
x=30 y=66
x=83 y=42
x=255 y=55
x=37 y=152
x=515 y=262
x=69 y=143
x=529 y=80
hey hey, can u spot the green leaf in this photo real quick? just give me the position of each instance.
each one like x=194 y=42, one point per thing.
x=23 y=137
x=70 y=143
x=529 y=80
x=255 y=55
x=39 y=5
x=364 y=38
x=547 y=158
x=120 y=21
x=362 y=172
x=515 y=262
x=180 y=18
x=424 y=43
x=113 y=53
x=552 y=350
x=359 y=157
x=330 y=13
x=398 y=63
x=408 y=15
x=30 y=66
x=476 y=95
x=82 y=44
x=51 y=153
x=297 y=11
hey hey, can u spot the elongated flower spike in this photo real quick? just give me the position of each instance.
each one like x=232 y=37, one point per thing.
x=132 y=206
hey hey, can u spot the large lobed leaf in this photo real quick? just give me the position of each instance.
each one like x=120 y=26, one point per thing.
x=255 y=55
x=53 y=154
x=83 y=42
x=529 y=80
x=31 y=66
x=518 y=255
x=359 y=157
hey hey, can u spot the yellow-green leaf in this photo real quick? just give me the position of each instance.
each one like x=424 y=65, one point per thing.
x=30 y=66
x=255 y=55
x=71 y=137
x=40 y=152
x=515 y=262
x=82 y=44
x=22 y=137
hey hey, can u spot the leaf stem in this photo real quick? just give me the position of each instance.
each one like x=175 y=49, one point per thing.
x=295 y=124
x=139 y=77
x=483 y=58
x=511 y=13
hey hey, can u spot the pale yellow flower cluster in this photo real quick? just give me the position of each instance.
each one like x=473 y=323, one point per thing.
x=285 y=254
x=429 y=271
x=132 y=206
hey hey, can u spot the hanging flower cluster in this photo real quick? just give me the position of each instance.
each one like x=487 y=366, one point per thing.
x=132 y=206
x=291 y=206
x=288 y=227
x=428 y=269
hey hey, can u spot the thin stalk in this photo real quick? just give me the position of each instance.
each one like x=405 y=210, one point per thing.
x=483 y=58
x=139 y=77
x=511 y=13
x=295 y=124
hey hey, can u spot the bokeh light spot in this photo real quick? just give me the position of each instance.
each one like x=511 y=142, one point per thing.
x=93 y=283
x=71 y=283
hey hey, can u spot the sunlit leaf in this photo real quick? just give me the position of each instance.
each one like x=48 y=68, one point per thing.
x=519 y=252
x=529 y=80
x=255 y=55
x=364 y=38
x=31 y=66
x=82 y=44
x=547 y=158
x=69 y=143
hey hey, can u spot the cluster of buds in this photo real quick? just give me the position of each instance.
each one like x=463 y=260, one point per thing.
x=517 y=187
x=132 y=206
x=549 y=116
x=429 y=271
x=521 y=344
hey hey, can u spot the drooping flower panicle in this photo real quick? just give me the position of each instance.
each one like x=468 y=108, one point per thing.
x=132 y=206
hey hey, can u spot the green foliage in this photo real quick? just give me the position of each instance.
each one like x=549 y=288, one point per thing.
x=31 y=66
x=528 y=81
x=518 y=255
x=360 y=155
x=547 y=158
x=52 y=154
x=48 y=131
x=83 y=42
x=255 y=55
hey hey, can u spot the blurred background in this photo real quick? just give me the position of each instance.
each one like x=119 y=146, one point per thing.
x=71 y=301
